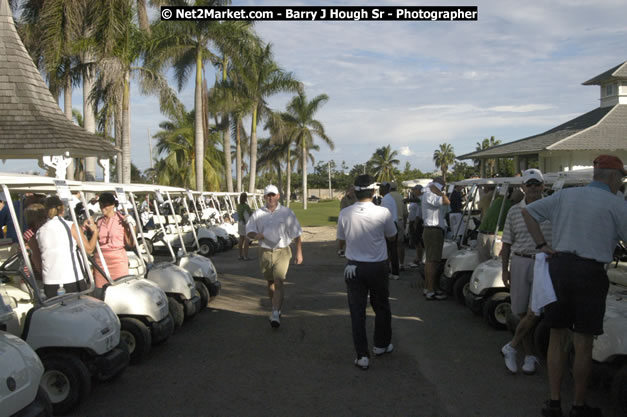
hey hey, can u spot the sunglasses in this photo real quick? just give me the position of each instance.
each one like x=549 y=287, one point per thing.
x=533 y=183
x=270 y=195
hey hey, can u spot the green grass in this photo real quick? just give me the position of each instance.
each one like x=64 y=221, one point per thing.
x=323 y=213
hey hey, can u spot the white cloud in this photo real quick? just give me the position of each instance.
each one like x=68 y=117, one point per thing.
x=405 y=151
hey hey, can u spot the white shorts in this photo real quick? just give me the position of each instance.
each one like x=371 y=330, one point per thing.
x=521 y=281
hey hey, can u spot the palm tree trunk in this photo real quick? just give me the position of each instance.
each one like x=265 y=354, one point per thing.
x=280 y=182
x=253 y=153
x=126 y=130
x=198 y=133
x=142 y=16
x=89 y=119
x=238 y=154
x=288 y=187
x=226 y=137
x=304 y=167
x=118 y=138
x=67 y=109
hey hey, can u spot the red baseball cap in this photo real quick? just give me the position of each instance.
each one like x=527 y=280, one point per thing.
x=609 y=162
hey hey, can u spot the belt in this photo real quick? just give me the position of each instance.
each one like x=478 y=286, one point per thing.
x=272 y=250
x=577 y=257
x=433 y=227
x=486 y=233
x=522 y=255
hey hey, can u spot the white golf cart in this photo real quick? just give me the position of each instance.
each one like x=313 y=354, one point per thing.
x=76 y=336
x=178 y=284
x=21 y=370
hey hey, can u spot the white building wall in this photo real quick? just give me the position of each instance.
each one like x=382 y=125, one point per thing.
x=562 y=161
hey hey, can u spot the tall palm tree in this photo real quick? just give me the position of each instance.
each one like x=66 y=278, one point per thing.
x=444 y=158
x=303 y=127
x=121 y=45
x=261 y=78
x=384 y=163
x=186 y=46
x=175 y=141
x=485 y=144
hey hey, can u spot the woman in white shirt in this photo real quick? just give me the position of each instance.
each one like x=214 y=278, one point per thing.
x=55 y=256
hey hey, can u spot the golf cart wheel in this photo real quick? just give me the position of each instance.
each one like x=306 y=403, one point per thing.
x=460 y=287
x=137 y=338
x=149 y=246
x=619 y=390
x=204 y=294
x=541 y=336
x=66 y=380
x=177 y=311
x=495 y=310
x=206 y=247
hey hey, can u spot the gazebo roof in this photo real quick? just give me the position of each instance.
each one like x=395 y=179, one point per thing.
x=602 y=128
x=619 y=72
x=31 y=123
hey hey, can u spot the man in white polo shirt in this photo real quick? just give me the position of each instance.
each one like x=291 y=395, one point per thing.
x=365 y=227
x=433 y=200
x=275 y=227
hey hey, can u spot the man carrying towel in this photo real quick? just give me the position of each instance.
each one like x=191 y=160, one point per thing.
x=587 y=223
x=518 y=243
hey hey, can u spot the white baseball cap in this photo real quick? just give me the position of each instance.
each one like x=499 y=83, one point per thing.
x=270 y=189
x=532 y=174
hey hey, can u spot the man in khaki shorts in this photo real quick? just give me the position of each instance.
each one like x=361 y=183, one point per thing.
x=275 y=227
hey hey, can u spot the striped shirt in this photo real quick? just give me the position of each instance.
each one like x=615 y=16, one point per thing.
x=516 y=234
x=587 y=221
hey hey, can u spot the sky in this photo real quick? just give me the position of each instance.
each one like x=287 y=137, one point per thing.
x=515 y=72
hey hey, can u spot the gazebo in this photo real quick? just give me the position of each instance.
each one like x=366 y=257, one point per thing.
x=32 y=125
x=578 y=141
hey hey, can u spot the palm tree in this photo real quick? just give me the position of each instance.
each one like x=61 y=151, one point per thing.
x=178 y=166
x=303 y=128
x=444 y=157
x=186 y=45
x=383 y=163
x=485 y=144
x=120 y=45
x=261 y=78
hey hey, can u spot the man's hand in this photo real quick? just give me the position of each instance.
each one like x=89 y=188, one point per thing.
x=350 y=271
x=548 y=250
x=506 y=278
x=298 y=259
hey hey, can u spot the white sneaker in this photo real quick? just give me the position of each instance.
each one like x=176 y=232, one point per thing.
x=362 y=363
x=275 y=319
x=530 y=364
x=394 y=277
x=509 y=353
x=381 y=350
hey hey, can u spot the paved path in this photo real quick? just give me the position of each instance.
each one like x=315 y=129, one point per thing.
x=228 y=361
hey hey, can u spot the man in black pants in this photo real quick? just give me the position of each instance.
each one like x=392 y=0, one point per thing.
x=365 y=227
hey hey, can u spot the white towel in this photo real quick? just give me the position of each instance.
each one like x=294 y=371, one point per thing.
x=542 y=292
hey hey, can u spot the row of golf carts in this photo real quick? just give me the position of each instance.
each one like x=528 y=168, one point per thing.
x=480 y=287
x=53 y=347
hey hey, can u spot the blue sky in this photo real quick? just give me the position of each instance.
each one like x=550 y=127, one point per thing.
x=515 y=72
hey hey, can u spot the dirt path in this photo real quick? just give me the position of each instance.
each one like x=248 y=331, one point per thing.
x=228 y=361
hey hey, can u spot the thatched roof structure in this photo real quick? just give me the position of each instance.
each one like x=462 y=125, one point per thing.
x=31 y=123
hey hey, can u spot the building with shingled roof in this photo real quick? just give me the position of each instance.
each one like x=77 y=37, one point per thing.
x=578 y=141
x=32 y=126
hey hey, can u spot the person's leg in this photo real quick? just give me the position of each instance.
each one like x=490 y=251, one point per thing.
x=271 y=291
x=240 y=245
x=357 y=298
x=393 y=256
x=582 y=365
x=556 y=360
x=431 y=269
x=523 y=334
x=379 y=300
x=277 y=298
x=246 y=244
x=400 y=243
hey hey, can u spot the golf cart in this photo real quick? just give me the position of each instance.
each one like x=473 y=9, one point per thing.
x=22 y=370
x=76 y=336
